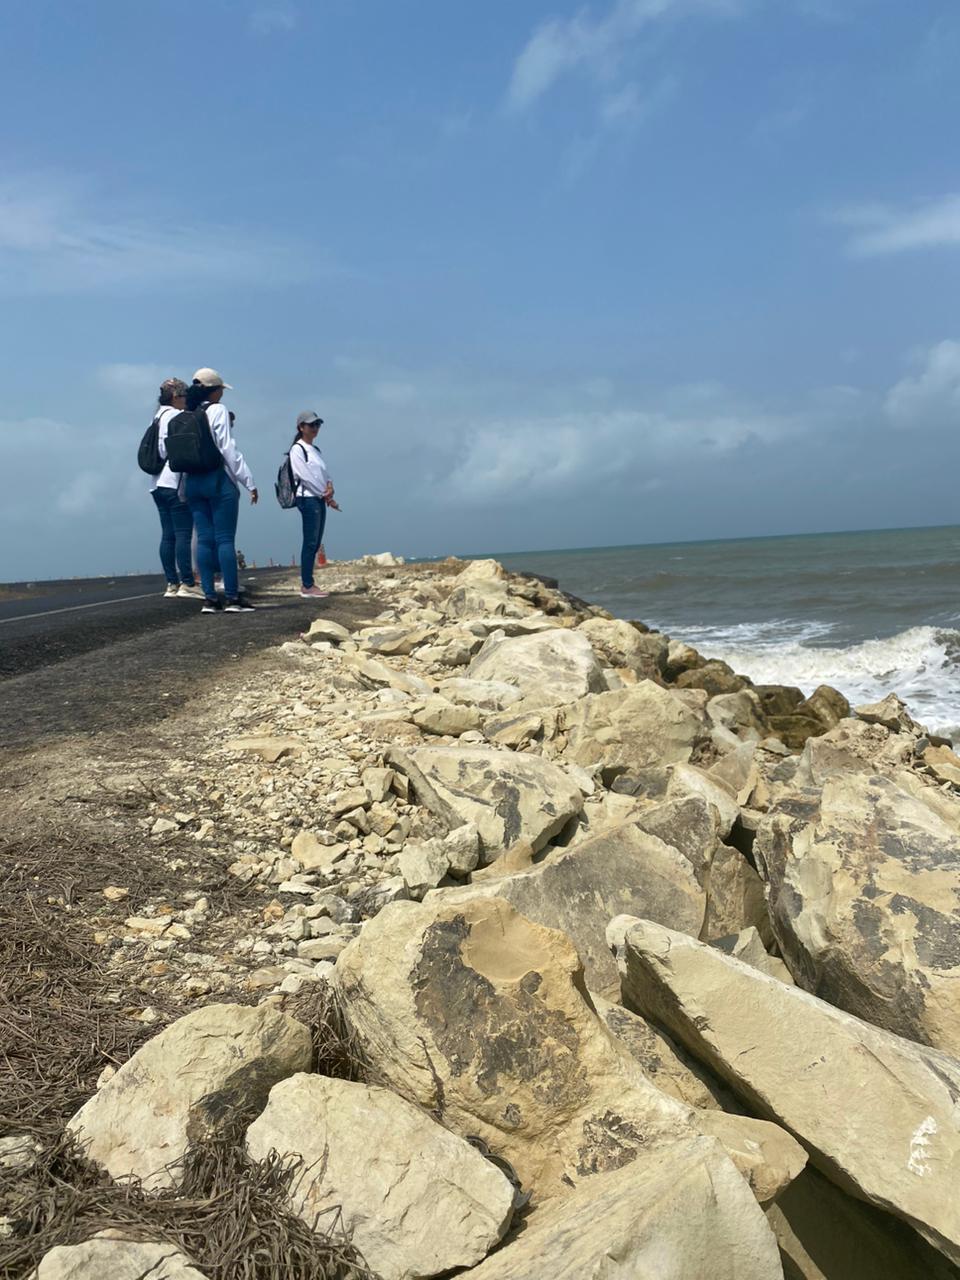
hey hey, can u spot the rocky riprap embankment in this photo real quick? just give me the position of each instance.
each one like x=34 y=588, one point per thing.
x=661 y=963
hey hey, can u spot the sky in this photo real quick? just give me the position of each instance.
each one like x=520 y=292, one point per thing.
x=554 y=274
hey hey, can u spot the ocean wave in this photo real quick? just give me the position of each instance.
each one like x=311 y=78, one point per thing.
x=921 y=664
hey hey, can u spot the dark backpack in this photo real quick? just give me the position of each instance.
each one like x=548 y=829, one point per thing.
x=190 y=444
x=148 y=455
x=286 y=486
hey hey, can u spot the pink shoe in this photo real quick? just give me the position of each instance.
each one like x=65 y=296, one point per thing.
x=313 y=593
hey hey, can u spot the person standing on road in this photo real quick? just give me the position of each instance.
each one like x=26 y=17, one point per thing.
x=214 y=496
x=313 y=492
x=176 y=522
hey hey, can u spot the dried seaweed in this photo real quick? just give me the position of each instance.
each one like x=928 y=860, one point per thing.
x=229 y=1215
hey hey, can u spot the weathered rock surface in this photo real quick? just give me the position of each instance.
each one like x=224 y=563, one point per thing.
x=104 y=1258
x=864 y=893
x=630 y=730
x=416 y=1199
x=187 y=1083
x=480 y=1014
x=747 y=945
x=488 y=695
x=686 y=1215
x=549 y=667
x=449 y=718
x=267 y=748
x=877 y=1113
x=508 y=797
x=579 y=890
x=617 y=644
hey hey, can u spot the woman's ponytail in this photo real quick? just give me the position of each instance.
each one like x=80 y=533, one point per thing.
x=196 y=395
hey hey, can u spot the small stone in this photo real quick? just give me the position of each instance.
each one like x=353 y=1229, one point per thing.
x=423 y=866
x=377 y=783
x=163 y=826
x=462 y=847
x=352 y=798
x=321 y=948
x=19 y=1151
x=114 y=893
x=151 y=926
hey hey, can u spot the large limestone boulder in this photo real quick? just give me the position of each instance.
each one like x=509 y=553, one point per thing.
x=508 y=797
x=617 y=644
x=487 y=695
x=188 y=1082
x=877 y=1113
x=482 y=1016
x=853 y=746
x=107 y=1258
x=864 y=894
x=415 y=1199
x=631 y=730
x=685 y=1216
x=549 y=668
x=580 y=889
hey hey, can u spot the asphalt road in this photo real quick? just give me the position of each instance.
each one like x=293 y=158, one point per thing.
x=80 y=657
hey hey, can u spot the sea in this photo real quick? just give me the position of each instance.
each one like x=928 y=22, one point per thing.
x=869 y=613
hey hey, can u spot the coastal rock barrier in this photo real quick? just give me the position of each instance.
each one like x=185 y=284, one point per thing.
x=580 y=955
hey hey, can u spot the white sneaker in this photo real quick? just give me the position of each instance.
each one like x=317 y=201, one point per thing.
x=171 y=592
x=190 y=593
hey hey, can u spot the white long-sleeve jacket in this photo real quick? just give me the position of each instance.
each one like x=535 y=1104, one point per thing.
x=310 y=472
x=233 y=462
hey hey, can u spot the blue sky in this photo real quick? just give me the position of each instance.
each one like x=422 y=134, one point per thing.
x=554 y=274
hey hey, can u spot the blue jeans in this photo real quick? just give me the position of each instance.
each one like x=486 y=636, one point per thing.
x=176 y=531
x=313 y=513
x=215 y=504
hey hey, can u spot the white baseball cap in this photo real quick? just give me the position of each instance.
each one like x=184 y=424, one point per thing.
x=210 y=378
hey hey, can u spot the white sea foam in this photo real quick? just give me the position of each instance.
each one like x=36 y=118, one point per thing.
x=920 y=664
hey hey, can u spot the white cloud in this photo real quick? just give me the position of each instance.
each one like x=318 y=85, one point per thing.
x=54 y=240
x=134 y=383
x=511 y=459
x=395 y=392
x=83 y=492
x=880 y=229
x=930 y=398
x=594 y=45
x=268 y=19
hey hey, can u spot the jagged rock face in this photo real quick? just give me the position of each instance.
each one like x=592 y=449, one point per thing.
x=877 y=1113
x=864 y=894
x=630 y=730
x=189 y=1082
x=579 y=890
x=617 y=644
x=549 y=668
x=481 y=1016
x=683 y=1216
x=415 y=1199
x=103 y=1258
x=508 y=797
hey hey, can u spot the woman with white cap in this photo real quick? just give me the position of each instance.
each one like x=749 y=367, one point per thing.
x=313 y=493
x=214 y=496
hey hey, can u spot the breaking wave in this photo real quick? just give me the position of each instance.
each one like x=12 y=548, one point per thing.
x=921 y=664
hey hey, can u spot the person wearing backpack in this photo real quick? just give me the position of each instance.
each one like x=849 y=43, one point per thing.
x=176 y=522
x=313 y=493
x=202 y=438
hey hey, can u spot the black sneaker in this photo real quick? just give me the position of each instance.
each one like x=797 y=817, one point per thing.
x=239 y=604
x=210 y=606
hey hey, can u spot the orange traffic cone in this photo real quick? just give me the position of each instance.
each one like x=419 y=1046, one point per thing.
x=321 y=557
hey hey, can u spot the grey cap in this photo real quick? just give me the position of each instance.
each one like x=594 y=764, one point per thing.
x=308 y=419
